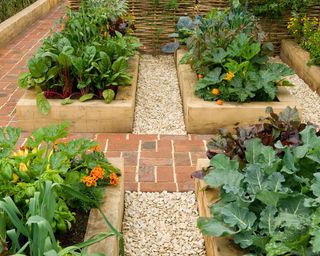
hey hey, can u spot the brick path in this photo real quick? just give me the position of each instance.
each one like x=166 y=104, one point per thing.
x=152 y=162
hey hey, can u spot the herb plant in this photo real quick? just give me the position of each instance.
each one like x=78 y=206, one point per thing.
x=269 y=181
x=87 y=59
x=227 y=52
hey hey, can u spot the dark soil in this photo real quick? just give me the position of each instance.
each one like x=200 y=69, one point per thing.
x=77 y=232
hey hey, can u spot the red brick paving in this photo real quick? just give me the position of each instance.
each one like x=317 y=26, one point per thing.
x=152 y=162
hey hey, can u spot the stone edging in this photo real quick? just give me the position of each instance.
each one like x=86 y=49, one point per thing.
x=14 y=25
x=297 y=58
x=215 y=246
x=206 y=117
x=113 y=207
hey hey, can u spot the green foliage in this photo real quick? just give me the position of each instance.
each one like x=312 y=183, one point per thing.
x=87 y=56
x=313 y=47
x=31 y=233
x=276 y=9
x=269 y=183
x=307 y=33
x=226 y=48
x=75 y=163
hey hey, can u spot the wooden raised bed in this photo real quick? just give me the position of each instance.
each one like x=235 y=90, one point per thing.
x=206 y=117
x=113 y=207
x=298 y=58
x=18 y=22
x=91 y=116
x=215 y=246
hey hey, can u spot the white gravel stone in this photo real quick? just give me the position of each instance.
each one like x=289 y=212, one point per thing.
x=158 y=101
x=160 y=224
x=306 y=98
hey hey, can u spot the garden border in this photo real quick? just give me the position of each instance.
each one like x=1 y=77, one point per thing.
x=14 y=25
x=205 y=117
x=297 y=58
x=92 y=116
x=113 y=207
x=215 y=246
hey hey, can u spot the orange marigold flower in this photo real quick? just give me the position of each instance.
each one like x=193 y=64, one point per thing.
x=114 y=179
x=95 y=148
x=229 y=76
x=97 y=172
x=200 y=76
x=62 y=27
x=219 y=102
x=90 y=181
x=215 y=91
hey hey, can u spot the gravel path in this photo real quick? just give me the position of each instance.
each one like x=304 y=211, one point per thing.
x=306 y=98
x=162 y=224
x=158 y=102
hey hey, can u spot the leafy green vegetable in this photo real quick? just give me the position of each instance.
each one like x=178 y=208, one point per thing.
x=85 y=57
x=226 y=47
x=269 y=183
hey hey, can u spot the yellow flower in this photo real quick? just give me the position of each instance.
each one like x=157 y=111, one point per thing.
x=15 y=178
x=215 y=91
x=20 y=152
x=229 y=76
x=23 y=167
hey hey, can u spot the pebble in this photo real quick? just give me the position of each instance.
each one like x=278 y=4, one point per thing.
x=162 y=224
x=158 y=101
x=307 y=99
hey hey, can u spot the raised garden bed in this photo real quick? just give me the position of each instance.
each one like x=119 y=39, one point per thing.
x=113 y=207
x=204 y=117
x=17 y=23
x=215 y=246
x=91 y=116
x=298 y=58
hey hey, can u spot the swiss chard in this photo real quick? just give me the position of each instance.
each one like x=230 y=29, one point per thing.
x=87 y=57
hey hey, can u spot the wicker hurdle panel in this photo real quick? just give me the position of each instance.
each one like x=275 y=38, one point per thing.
x=154 y=21
x=74 y=4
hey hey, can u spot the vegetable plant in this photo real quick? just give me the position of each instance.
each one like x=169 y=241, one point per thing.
x=32 y=233
x=46 y=157
x=184 y=28
x=227 y=52
x=87 y=58
x=268 y=180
